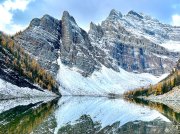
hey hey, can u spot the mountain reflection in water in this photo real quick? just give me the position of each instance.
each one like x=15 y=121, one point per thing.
x=81 y=115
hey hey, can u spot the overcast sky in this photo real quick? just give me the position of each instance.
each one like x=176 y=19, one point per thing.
x=15 y=15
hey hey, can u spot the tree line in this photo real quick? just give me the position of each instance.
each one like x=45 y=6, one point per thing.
x=160 y=88
x=25 y=65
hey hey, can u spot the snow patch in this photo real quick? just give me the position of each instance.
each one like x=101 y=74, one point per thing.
x=161 y=56
x=13 y=91
x=171 y=45
x=103 y=82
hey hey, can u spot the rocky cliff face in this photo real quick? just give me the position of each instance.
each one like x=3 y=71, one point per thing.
x=133 y=42
x=42 y=41
x=129 y=41
x=76 y=49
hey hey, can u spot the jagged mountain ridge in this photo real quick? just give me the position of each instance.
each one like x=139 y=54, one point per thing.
x=127 y=48
x=133 y=46
x=127 y=41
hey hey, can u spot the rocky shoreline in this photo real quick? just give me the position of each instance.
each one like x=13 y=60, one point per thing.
x=171 y=99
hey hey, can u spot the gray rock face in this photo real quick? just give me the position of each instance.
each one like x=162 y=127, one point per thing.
x=115 y=14
x=174 y=34
x=41 y=41
x=76 y=49
x=129 y=41
x=133 y=13
x=132 y=46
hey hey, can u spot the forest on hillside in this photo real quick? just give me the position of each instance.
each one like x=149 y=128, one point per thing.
x=160 y=88
x=17 y=59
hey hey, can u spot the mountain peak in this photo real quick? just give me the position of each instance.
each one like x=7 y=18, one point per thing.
x=114 y=14
x=95 y=27
x=67 y=16
x=92 y=25
x=45 y=19
x=35 y=22
x=133 y=13
x=46 y=16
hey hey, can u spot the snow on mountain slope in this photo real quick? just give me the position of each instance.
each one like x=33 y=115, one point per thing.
x=172 y=45
x=132 y=42
x=103 y=110
x=9 y=91
x=101 y=83
x=93 y=62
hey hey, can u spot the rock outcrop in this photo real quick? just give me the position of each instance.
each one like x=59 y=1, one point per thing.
x=131 y=44
x=76 y=49
x=41 y=41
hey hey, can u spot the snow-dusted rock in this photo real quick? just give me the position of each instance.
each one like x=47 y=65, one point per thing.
x=10 y=91
x=103 y=82
x=131 y=42
x=41 y=41
x=76 y=49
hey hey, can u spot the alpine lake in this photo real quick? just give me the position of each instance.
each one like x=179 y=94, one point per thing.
x=86 y=115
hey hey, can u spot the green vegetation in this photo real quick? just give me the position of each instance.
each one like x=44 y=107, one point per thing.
x=162 y=87
x=18 y=60
x=24 y=119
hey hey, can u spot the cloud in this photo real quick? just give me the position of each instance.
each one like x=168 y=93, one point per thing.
x=6 y=15
x=176 y=20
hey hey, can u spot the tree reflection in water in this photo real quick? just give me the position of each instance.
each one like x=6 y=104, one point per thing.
x=45 y=117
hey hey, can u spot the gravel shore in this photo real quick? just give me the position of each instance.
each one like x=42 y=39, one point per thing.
x=171 y=99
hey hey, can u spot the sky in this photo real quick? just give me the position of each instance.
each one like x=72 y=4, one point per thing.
x=15 y=15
